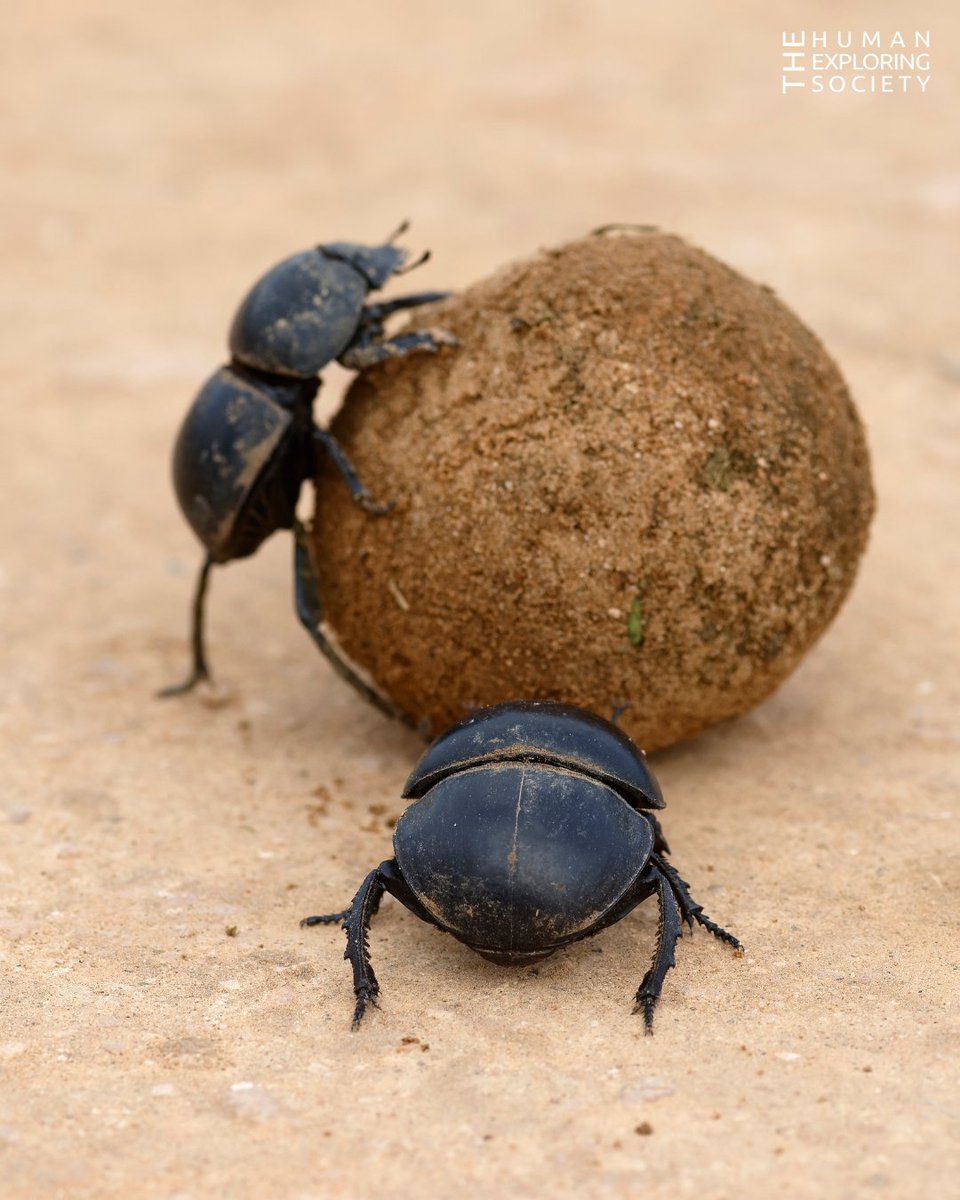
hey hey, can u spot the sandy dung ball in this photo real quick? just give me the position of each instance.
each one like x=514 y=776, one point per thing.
x=640 y=480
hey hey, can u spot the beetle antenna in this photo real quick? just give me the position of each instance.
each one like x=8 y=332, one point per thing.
x=618 y=711
x=401 y=228
x=413 y=266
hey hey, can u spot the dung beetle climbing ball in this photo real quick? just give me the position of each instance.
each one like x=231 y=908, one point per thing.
x=249 y=440
x=530 y=828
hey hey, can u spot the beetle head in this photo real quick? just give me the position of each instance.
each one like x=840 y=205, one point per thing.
x=375 y=263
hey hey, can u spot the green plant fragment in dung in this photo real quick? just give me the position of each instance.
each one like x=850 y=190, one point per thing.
x=636 y=621
x=717 y=471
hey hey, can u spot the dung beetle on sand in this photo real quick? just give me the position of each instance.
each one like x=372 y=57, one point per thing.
x=530 y=828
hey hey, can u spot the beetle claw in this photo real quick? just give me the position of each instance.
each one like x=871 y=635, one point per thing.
x=181 y=689
x=369 y=505
x=646 y=1005
x=364 y=997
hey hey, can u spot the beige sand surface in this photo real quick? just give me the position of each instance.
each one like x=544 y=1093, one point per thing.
x=154 y=160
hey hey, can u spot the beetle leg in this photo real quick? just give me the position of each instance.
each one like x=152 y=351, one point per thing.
x=360 y=355
x=357 y=927
x=349 y=474
x=372 y=316
x=336 y=918
x=200 y=669
x=660 y=842
x=668 y=934
x=310 y=611
x=688 y=906
x=376 y=314
x=356 y=923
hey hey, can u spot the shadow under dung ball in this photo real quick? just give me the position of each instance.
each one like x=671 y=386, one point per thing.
x=639 y=481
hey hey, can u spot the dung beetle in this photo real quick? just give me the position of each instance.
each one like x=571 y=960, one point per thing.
x=249 y=440
x=529 y=828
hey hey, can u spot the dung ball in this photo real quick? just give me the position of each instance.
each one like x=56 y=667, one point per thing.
x=639 y=481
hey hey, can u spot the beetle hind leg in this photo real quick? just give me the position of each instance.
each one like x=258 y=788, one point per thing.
x=668 y=934
x=201 y=671
x=356 y=924
x=310 y=612
x=689 y=908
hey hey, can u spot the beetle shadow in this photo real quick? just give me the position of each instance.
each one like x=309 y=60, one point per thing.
x=621 y=952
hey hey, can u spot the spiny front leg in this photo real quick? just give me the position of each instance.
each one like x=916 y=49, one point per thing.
x=668 y=934
x=373 y=315
x=359 y=356
x=356 y=923
x=370 y=330
x=688 y=906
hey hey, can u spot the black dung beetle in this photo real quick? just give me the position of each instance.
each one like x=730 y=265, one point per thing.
x=529 y=829
x=249 y=441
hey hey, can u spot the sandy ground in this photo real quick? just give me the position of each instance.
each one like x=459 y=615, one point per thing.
x=152 y=165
